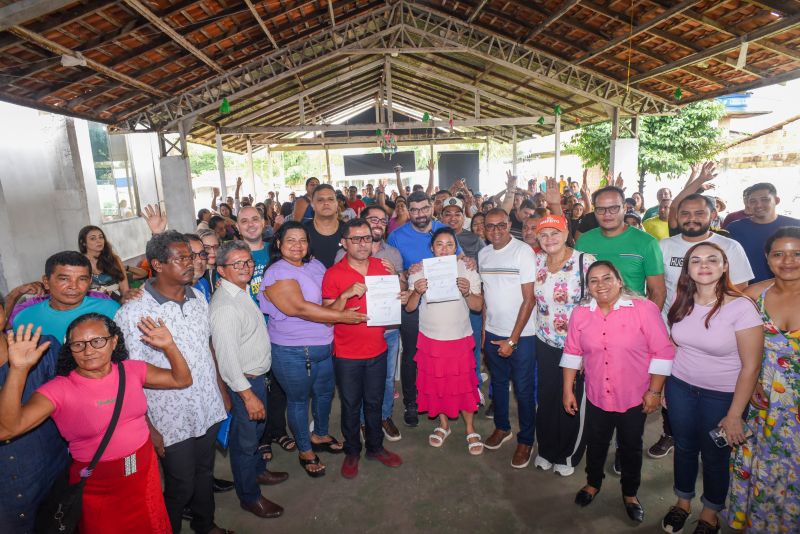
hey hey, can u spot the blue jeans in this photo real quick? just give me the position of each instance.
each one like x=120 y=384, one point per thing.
x=693 y=413
x=361 y=383
x=301 y=384
x=246 y=462
x=520 y=369
x=476 y=321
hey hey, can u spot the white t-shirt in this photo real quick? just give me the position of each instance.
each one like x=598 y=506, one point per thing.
x=503 y=272
x=674 y=249
x=446 y=321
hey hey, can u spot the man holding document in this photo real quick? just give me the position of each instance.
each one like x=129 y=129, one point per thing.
x=361 y=282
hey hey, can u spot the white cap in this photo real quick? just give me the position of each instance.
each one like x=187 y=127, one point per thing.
x=453 y=201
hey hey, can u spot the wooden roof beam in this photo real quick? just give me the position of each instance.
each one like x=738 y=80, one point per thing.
x=261 y=23
x=56 y=48
x=174 y=35
x=477 y=11
x=560 y=12
x=26 y=10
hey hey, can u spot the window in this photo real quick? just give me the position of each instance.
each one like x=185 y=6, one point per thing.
x=114 y=173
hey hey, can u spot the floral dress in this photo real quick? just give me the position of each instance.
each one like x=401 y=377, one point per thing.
x=765 y=490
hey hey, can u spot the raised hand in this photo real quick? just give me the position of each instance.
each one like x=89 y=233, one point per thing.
x=431 y=165
x=551 y=193
x=155 y=333
x=619 y=182
x=156 y=221
x=23 y=347
x=511 y=181
x=238 y=181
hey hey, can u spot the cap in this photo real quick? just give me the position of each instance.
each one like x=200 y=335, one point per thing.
x=556 y=222
x=453 y=201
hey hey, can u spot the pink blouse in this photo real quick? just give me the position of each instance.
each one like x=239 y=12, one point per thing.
x=618 y=351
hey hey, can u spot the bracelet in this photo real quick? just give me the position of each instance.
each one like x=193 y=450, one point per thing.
x=654 y=393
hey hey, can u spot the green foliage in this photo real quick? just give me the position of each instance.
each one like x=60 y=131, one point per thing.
x=668 y=144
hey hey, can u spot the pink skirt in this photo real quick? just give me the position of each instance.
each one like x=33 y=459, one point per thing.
x=446 y=379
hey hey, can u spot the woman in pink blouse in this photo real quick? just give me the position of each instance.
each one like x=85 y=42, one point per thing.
x=620 y=341
x=123 y=491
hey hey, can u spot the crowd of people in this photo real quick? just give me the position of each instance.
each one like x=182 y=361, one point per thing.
x=597 y=310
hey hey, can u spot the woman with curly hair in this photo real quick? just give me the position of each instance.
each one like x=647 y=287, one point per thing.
x=108 y=272
x=124 y=488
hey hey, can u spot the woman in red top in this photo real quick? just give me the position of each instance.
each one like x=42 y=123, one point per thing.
x=124 y=489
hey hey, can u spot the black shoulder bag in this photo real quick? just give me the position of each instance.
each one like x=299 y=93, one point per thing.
x=580 y=270
x=61 y=511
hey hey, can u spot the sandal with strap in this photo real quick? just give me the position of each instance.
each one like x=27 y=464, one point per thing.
x=286 y=443
x=439 y=435
x=334 y=446
x=314 y=461
x=265 y=450
x=475 y=448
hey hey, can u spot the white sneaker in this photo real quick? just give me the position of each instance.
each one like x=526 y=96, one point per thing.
x=563 y=470
x=542 y=464
x=484 y=377
x=483 y=400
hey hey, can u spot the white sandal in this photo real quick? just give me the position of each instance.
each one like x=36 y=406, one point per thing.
x=436 y=440
x=475 y=448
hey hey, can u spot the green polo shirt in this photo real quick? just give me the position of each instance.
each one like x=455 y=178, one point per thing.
x=634 y=253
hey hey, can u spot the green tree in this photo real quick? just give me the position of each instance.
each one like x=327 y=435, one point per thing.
x=668 y=144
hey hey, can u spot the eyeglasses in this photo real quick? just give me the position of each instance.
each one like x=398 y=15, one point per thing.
x=499 y=226
x=97 y=343
x=613 y=210
x=203 y=255
x=210 y=247
x=425 y=209
x=360 y=239
x=238 y=265
x=183 y=259
x=378 y=220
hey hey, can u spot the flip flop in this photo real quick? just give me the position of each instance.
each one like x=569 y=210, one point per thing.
x=265 y=450
x=328 y=446
x=313 y=461
x=437 y=440
x=286 y=443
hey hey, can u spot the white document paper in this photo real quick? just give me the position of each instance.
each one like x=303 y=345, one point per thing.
x=441 y=273
x=383 y=304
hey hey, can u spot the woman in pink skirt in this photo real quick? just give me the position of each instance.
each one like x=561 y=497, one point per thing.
x=446 y=380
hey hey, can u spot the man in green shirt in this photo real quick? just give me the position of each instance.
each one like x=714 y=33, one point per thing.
x=635 y=253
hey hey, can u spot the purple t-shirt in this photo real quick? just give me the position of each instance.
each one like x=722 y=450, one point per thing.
x=293 y=331
x=709 y=359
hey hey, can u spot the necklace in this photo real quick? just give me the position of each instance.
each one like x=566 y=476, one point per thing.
x=710 y=302
x=558 y=265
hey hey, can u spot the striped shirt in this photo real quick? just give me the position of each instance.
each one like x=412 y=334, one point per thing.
x=239 y=335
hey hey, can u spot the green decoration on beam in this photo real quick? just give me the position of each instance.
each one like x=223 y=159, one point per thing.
x=678 y=94
x=426 y=117
x=557 y=109
x=541 y=120
x=378 y=132
x=225 y=107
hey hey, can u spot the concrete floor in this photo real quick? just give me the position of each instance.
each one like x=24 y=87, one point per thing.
x=447 y=490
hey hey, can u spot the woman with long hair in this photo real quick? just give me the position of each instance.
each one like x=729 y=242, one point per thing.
x=108 y=271
x=764 y=491
x=719 y=339
x=620 y=341
x=301 y=336
x=115 y=494
x=639 y=203
x=400 y=215
x=476 y=225
x=447 y=382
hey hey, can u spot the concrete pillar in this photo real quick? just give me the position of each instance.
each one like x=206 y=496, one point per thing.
x=624 y=157
x=557 y=147
x=251 y=177
x=178 y=201
x=223 y=187
x=514 y=151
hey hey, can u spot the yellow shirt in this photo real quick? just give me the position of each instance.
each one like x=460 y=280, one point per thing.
x=656 y=227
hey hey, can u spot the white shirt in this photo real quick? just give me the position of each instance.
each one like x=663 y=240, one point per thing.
x=674 y=249
x=178 y=414
x=503 y=272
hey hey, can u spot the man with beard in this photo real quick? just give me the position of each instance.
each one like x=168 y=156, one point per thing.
x=413 y=240
x=324 y=229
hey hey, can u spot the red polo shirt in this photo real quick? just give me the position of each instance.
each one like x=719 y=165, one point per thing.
x=354 y=341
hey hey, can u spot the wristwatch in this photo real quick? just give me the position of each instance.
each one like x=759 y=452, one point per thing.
x=511 y=344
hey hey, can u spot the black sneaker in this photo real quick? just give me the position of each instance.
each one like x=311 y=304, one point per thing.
x=489 y=413
x=662 y=447
x=411 y=416
x=187 y=514
x=704 y=527
x=617 y=463
x=222 y=486
x=674 y=520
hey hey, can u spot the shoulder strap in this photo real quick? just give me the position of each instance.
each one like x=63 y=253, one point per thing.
x=580 y=270
x=111 y=425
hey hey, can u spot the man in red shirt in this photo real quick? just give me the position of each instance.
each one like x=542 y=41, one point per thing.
x=360 y=350
x=354 y=202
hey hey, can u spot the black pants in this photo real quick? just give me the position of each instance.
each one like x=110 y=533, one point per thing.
x=361 y=382
x=560 y=435
x=189 y=480
x=600 y=426
x=276 y=410
x=665 y=422
x=409 y=332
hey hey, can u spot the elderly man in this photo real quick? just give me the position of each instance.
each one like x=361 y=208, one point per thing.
x=662 y=194
x=508 y=270
x=242 y=346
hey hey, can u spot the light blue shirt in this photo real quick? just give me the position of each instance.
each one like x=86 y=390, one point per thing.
x=55 y=322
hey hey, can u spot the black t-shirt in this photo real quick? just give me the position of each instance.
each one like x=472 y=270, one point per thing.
x=516 y=224
x=588 y=222
x=324 y=247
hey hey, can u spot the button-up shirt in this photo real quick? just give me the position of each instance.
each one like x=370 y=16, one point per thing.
x=178 y=414
x=618 y=351
x=239 y=335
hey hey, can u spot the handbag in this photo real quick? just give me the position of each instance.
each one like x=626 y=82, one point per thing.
x=580 y=270
x=61 y=511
